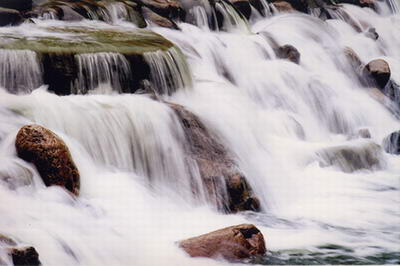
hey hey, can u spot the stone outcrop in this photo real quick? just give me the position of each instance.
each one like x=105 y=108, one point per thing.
x=288 y=52
x=20 y=5
x=226 y=187
x=233 y=243
x=50 y=155
x=283 y=6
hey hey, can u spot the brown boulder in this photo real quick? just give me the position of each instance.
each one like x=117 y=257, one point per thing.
x=153 y=17
x=50 y=155
x=232 y=243
x=166 y=8
x=226 y=187
x=379 y=71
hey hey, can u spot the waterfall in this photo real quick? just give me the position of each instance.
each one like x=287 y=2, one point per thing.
x=20 y=71
x=307 y=135
x=169 y=71
x=109 y=69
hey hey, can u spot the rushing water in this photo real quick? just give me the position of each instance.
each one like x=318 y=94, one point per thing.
x=283 y=122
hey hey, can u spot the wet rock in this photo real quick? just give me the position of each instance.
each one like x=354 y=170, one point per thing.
x=158 y=20
x=25 y=256
x=20 y=5
x=68 y=14
x=165 y=8
x=243 y=6
x=391 y=143
x=50 y=155
x=6 y=241
x=226 y=187
x=371 y=33
x=378 y=71
x=288 y=52
x=364 y=133
x=352 y=157
x=353 y=58
x=361 y=3
x=232 y=243
x=283 y=6
x=9 y=17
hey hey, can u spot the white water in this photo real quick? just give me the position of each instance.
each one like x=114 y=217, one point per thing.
x=274 y=115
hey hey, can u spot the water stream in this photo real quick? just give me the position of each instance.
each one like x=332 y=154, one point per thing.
x=283 y=122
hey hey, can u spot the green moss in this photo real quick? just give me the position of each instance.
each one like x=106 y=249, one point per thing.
x=87 y=40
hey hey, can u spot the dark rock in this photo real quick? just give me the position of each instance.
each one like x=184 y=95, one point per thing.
x=68 y=14
x=361 y=3
x=25 y=256
x=165 y=8
x=9 y=17
x=153 y=17
x=283 y=6
x=364 y=133
x=50 y=155
x=232 y=243
x=288 y=52
x=378 y=71
x=20 y=5
x=243 y=6
x=226 y=187
x=391 y=143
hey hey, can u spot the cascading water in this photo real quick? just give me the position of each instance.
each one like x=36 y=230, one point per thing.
x=327 y=196
x=106 y=70
x=20 y=70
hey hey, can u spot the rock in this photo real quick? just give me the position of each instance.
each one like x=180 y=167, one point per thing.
x=371 y=33
x=25 y=256
x=364 y=133
x=9 y=17
x=153 y=17
x=165 y=8
x=361 y=3
x=391 y=143
x=283 y=6
x=288 y=52
x=362 y=154
x=378 y=71
x=6 y=241
x=232 y=243
x=50 y=155
x=20 y=5
x=353 y=58
x=68 y=14
x=226 y=187
x=243 y=6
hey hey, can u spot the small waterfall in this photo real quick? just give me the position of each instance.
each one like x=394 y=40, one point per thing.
x=117 y=12
x=96 y=69
x=169 y=70
x=200 y=17
x=20 y=71
x=232 y=20
x=267 y=9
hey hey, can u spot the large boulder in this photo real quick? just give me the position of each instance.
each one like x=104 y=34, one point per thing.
x=378 y=71
x=283 y=6
x=391 y=143
x=158 y=20
x=9 y=17
x=232 y=243
x=226 y=186
x=166 y=8
x=50 y=155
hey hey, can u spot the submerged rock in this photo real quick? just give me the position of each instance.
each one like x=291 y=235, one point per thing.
x=288 y=52
x=378 y=71
x=391 y=143
x=227 y=188
x=352 y=157
x=243 y=6
x=50 y=155
x=232 y=243
x=9 y=17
